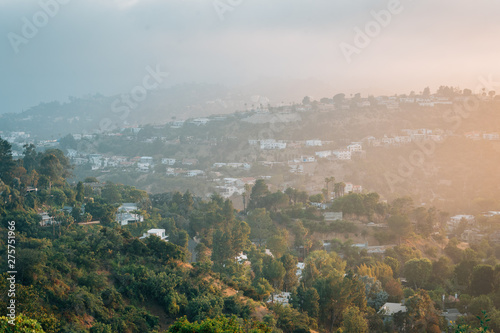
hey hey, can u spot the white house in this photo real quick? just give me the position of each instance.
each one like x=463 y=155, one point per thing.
x=71 y=153
x=307 y=159
x=455 y=220
x=200 y=121
x=281 y=298
x=228 y=191
x=355 y=146
x=168 y=161
x=125 y=216
x=194 y=173
x=241 y=258
x=357 y=189
x=177 y=124
x=155 y=232
x=491 y=136
x=491 y=213
x=323 y=154
x=348 y=188
x=46 y=219
x=314 y=143
x=403 y=139
x=390 y=309
x=272 y=144
x=342 y=154
x=146 y=160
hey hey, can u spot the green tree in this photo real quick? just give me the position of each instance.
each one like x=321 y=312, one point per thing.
x=261 y=225
x=278 y=243
x=111 y=194
x=421 y=314
x=290 y=280
x=22 y=324
x=274 y=272
x=51 y=168
x=79 y=192
x=205 y=306
x=463 y=272
x=6 y=161
x=418 y=271
x=259 y=190
x=400 y=225
x=442 y=270
x=222 y=249
x=217 y=325
x=306 y=299
x=336 y=293
x=402 y=206
x=354 y=321
x=483 y=277
x=394 y=264
x=317 y=198
x=30 y=160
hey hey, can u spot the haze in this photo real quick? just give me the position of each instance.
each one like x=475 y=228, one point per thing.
x=104 y=47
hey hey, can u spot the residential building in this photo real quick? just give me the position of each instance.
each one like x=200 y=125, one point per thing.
x=323 y=154
x=126 y=214
x=342 y=154
x=314 y=143
x=272 y=144
x=194 y=173
x=168 y=161
x=155 y=232
x=388 y=310
x=355 y=146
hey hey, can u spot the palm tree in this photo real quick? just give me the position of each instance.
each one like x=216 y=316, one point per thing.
x=328 y=180
x=339 y=189
x=342 y=188
x=336 y=189
x=246 y=196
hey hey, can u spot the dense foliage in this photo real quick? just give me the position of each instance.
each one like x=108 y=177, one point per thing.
x=224 y=271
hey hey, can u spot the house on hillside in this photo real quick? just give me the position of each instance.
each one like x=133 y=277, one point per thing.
x=126 y=214
x=155 y=232
x=46 y=219
x=313 y=143
x=342 y=154
x=168 y=161
x=388 y=310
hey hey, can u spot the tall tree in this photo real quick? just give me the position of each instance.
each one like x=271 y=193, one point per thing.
x=400 y=225
x=306 y=299
x=418 y=271
x=6 y=162
x=259 y=190
x=354 y=321
x=80 y=192
x=30 y=160
x=261 y=225
x=483 y=277
x=290 y=279
x=51 y=168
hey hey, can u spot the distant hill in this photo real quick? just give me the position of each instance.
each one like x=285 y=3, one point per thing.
x=95 y=113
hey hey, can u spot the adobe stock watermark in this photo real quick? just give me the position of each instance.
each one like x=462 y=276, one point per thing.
x=223 y=6
x=127 y=102
x=31 y=26
x=11 y=271
x=427 y=148
x=372 y=29
x=486 y=85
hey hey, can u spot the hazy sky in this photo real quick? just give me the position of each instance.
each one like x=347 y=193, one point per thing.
x=89 y=46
